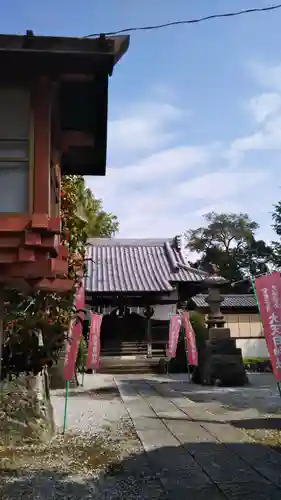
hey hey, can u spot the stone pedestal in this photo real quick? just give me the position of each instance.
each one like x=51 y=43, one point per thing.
x=222 y=361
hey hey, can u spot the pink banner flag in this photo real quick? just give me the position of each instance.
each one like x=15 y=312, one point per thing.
x=268 y=290
x=75 y=332
x=74 y=336
x=93 y=358
x=190 y=339
x=174 y=330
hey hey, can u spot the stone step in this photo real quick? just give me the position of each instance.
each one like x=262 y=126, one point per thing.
x=127 y=370
x=128 y=365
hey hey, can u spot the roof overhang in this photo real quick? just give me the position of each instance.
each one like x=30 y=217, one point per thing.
x=58 y=55
x=77 y=67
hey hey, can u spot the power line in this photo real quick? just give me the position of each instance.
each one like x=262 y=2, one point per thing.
x=191 y=21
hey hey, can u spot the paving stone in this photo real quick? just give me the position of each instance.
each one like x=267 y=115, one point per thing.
x=190 y=432
x=156 y=439
x=264 y=460
x=213 y=454
x=250 y=491
x=222 y=466
x=172 y=459
x=226 y=433
x=183 y=491
x=151 y=423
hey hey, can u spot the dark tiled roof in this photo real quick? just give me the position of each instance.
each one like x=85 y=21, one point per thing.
x=230 y=301
x=139 y=265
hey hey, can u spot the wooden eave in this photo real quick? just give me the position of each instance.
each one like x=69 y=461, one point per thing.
x=59 y=55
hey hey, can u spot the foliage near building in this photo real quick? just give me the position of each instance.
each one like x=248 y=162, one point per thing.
x=36 y=324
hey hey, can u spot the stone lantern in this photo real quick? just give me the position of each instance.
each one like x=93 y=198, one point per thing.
x=222 y=360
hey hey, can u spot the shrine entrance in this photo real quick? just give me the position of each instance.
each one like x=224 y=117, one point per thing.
x=122 y=328
x=128 y=344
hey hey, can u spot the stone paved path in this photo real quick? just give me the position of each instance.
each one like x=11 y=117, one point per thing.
x=187 y=446
x=195 y=453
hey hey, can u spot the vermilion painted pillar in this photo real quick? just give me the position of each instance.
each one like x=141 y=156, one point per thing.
x=41 y=106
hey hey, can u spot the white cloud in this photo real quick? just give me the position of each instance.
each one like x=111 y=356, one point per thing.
x=268 y=137
x=265 y=105
x=160 y=185
x=167 y=164
x=269 y=76
x=207 y=187
x=143 y=129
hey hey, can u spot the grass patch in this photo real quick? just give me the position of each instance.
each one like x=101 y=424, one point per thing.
x=267 y=437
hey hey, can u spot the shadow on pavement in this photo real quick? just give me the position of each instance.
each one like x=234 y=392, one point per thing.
x=258 y=423
x=107 y=393
x=251 y=423
x=192 y=470
x=263 y=397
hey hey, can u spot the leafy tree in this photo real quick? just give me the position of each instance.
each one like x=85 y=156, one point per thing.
x=276 y=217
x=228 y=241
x=89 y=209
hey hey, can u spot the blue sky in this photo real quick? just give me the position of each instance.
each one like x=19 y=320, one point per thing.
x=195 y=111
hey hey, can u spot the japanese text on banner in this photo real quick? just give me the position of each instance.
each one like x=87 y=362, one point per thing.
x=268 y=290
x=93 y=357
x=174 y=330
x=75 y=332
x=190 y=340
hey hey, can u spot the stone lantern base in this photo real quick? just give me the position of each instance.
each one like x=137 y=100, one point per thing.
x=222 y=361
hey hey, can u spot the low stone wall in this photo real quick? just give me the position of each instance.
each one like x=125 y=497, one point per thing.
x=253 y=348
x=26 y=413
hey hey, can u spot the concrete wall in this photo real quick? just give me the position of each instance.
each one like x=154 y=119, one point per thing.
x=253 y=348
x=248 y=331
x=244 y=325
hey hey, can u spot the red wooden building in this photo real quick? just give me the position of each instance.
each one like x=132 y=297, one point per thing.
x=53 y=121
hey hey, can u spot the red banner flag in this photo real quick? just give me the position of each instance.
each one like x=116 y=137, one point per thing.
x=75 y=332
x=174 y=330
x=190 y=340
x=93 y=358
x=268 y=290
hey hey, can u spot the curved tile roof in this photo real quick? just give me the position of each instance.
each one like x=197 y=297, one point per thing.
x=230 y=301
x=136 y=266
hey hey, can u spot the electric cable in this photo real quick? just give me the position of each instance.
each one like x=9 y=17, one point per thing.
x=191 y=21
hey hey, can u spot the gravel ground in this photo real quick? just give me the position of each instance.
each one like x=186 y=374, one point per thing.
x=90 y=461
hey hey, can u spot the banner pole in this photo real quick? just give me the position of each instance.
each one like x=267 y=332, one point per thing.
x=258 y=304
x=83 y=376
x=65 y=406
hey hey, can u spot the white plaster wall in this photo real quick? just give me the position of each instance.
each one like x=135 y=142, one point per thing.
x=253 y=348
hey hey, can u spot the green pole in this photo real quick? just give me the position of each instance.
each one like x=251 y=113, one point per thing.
x=83 y=376
x=258 y=304
x=65 y=406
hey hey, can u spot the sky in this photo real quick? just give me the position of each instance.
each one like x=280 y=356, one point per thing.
x=194 y=110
